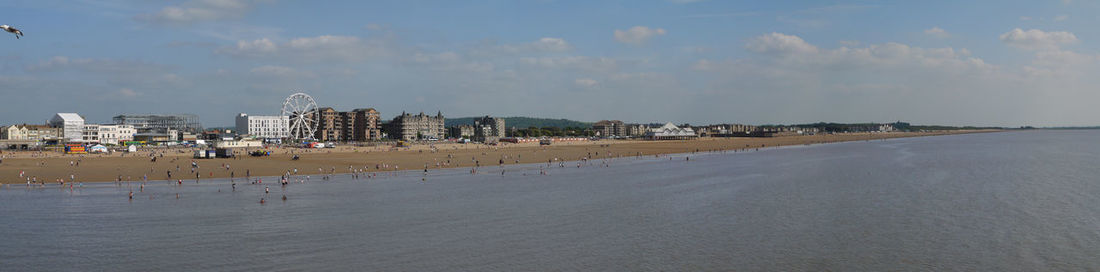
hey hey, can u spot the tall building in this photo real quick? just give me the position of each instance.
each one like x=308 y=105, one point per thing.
x=488 y=129
x=71 y=125
x=329 y=124
x=159 y=122
x=416 y=127
x=636 y=130
x=268 y=127
x=610 y=128
x=355 y=125
x=366 y=125
x=461 y=131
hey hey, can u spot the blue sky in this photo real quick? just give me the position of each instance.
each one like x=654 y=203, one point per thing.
x=1004 y=63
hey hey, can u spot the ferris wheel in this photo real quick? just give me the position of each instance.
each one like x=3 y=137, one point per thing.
x=302 y=110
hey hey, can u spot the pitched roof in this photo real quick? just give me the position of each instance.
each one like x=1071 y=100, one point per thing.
x=670 y=130
x=70 y=116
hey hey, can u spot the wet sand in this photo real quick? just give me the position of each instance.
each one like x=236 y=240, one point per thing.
x=49 y=166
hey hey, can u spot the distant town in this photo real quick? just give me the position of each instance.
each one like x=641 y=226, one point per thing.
x=303 y=123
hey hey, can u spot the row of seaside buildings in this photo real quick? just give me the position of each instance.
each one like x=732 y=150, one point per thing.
x=358 y=125
x=362 y=125
x=619 y=129
x=72 y=128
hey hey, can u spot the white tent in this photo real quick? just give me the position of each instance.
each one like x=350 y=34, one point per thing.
x=670 y=132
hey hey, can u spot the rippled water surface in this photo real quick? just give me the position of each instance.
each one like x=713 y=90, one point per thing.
x=1017 y=201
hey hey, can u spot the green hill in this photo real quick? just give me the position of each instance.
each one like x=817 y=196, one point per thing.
x=522 y=122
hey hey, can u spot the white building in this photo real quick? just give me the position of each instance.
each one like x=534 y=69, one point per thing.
x=71 y=125
x=13 y=132
x=670 y=132
x=107 y=134
x=90 y=133
x=263 y=126
x=116 y=134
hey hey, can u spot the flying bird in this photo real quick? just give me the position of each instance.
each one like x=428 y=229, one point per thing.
x=12 y=30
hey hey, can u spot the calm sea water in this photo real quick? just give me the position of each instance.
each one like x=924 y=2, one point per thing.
x=1014 y=201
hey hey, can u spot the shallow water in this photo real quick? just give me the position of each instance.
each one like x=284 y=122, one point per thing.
x=998 y=201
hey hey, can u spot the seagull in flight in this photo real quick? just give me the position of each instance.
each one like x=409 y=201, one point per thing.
x=12 y=30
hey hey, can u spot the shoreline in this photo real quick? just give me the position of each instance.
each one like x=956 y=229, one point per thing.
x=346 y=159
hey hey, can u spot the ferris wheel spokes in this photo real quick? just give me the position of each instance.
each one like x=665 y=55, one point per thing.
x=301 y=109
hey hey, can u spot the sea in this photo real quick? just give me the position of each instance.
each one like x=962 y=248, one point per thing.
x=1007 y=201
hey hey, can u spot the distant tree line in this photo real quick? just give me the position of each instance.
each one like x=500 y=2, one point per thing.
x=522 y=122
x=551 y=132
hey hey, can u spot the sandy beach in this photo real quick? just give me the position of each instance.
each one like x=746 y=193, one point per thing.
x=48 y=167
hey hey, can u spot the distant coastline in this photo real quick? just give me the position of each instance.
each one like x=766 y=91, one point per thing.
x=133 y=167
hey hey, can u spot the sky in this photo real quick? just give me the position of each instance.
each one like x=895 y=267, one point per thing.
x=986 y=63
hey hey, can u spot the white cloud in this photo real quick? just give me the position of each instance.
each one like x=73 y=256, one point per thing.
x=852 y=84
x=199 y=11
x=105 y=66
x=540 y=46
x=309 y=49
x=1060 y=18
x=778 y=43
x=937 y=32
x=1035 y=39
x=586 y=82
x=546 y=44
x=638 y=35
x=322 y=42
x=603 y=64
x=793 y=53
x=552 y=44
x=127 y=93
x=1062 y=64
x=252 y=48
x=445 y=57
x=276 y=71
